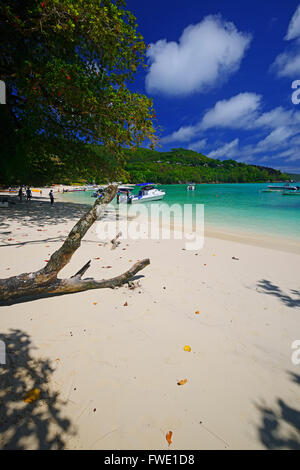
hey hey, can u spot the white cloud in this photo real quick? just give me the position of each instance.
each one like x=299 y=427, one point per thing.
x=227 y=150
x=184 y=134
x=287 y=64
x=295 y=157
x=282 y=143
x=237 y=112
x=275 y=118
x=278 y=137
x=294 y=27
x=206 y=54
x=290 y=155
x=279 y=140
x=242 y=111
x=199 y=145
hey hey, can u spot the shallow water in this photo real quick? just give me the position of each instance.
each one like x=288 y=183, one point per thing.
x=242 y=207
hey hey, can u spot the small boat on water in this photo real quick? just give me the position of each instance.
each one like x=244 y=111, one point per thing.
x=72 y=190
x=191 y=187
x=295 y=192
x=147 y=192
x=279 y=188
x=98 y=192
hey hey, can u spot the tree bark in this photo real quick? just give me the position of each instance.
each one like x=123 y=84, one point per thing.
x=45 y=281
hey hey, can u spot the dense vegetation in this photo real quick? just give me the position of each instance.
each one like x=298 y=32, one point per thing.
x=181 y=165
x=70 y=114
x=67 y=65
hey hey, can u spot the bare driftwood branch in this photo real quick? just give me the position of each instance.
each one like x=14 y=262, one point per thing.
x=81 y=271
x=115 y=242
x=45 y=281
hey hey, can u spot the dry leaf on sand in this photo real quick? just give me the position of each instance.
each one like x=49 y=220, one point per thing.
x=169 y=437
x=32 y=395
x=182 y=382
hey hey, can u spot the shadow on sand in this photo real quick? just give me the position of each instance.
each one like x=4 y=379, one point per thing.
x=40 y=213
x=280 y=429
x=38 y=425
x=291 y=299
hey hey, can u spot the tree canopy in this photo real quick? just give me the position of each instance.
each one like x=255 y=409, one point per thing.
x=67 y=66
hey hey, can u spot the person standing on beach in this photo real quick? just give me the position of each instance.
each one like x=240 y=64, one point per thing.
x=51 y=195
x=20 y=193
x=28 y=194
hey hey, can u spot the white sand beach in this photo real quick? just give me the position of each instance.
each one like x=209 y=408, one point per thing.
x=107 y=362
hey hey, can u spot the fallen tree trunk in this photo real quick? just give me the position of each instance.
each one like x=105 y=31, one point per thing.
x=45 y=281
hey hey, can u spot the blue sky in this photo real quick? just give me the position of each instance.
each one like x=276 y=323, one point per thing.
x=220 y=74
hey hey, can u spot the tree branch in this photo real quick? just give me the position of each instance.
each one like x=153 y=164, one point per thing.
x=62 y=256
x=81 y=271
x=45 y=281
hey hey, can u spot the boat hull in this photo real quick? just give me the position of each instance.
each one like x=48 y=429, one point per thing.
x=147 y=199
x=291 y=193
x=271 y=190
x=282 y=188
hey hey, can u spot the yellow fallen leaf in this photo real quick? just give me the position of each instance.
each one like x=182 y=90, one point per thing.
x=182 y=382
x=32 y=396
x=169 y=437
x=187 y=348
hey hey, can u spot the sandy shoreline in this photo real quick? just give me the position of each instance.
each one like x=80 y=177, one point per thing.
x=108 y=372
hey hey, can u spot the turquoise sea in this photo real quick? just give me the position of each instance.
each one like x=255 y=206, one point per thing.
x=241 y=207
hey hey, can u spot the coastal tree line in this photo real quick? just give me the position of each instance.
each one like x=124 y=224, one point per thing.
x=182 y=165
x=175 y=166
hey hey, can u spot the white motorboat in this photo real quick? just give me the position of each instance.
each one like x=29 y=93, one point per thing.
x=190 y=187
x=147 y=192
x=274 y=188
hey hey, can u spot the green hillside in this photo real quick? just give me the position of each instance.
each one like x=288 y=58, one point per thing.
x=181 y=166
